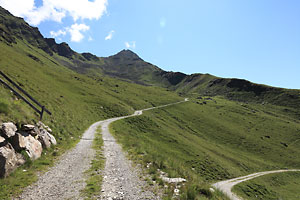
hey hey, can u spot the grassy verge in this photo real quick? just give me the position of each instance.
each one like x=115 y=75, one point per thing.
x=94 y=180
x=283 y=186
x=207 y=140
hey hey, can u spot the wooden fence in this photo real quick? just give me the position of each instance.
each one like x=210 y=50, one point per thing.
x=34 y=107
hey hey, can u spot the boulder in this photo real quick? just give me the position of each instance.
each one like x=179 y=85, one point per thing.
x=48 y=129
x=34 y=132
x=41 y=125
x=27 y=127
x=20 y=159
x=33 y=147
x=44 y=138
x=2 y=139
x=9 y=160
x=52 y=139
x=8 y=129
x=3 y=142
x=18 y=142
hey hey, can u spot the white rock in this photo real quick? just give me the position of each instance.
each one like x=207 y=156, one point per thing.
x=33 y=147
x=41 y=124
x=52 y=139
x=9 y=160
x=176 y=191
x=48 y=129
x=27 y=127
x=9 y=129
x=2 y=139
x=173 y=180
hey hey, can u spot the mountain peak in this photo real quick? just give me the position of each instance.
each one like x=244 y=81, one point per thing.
x=127 y=54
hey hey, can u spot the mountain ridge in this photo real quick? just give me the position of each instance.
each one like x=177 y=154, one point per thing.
x=127 y=65
x=229 y=127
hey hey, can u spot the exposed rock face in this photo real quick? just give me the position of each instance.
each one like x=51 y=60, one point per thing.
x=90 y=56
x=8 y=129
x=62 y=49
x=33 y=147
x=9 y=160
x=173 y=77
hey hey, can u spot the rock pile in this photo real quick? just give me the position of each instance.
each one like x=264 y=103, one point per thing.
x=30 y=139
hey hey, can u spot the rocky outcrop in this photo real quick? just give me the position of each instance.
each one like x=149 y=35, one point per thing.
x=30 y=139
x=90 y=57
x=173 y=77
x=61 y=49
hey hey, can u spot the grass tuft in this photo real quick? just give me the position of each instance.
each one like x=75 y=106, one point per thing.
x=94 y=180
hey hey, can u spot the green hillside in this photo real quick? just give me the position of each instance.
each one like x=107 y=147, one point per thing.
x=75 y=100
x=128 y=66
x=212 y=139
x=271 y=187
x=231 y=127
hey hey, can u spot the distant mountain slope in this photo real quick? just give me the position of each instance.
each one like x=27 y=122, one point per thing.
x=238 y=89
x=126 y=65
x=75 y=100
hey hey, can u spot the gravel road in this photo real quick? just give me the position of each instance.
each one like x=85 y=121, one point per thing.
x=66 y=179
x=121 y=180
x=226 y=186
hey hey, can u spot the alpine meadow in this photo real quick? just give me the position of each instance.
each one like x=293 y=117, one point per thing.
x=152 y=134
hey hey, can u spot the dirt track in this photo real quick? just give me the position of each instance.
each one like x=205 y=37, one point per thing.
x=66 y=178
x=226 y=186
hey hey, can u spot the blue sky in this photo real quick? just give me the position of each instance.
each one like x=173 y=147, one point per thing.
x=258 y=40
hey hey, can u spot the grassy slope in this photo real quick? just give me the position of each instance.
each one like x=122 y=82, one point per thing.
x=213 y=141
x=283 y=186
x=75 y=100
x=240 y=90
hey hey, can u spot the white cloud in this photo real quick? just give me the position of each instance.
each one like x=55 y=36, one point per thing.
x=130 y=45
x=76 y=31
x=58 y=33
x=55 y=10
x=110 y=35
x=163 y=22
x=18 y=7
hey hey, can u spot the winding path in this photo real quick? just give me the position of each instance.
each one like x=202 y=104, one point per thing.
x=227 y=185
x=120 y=179
x=66 y=178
